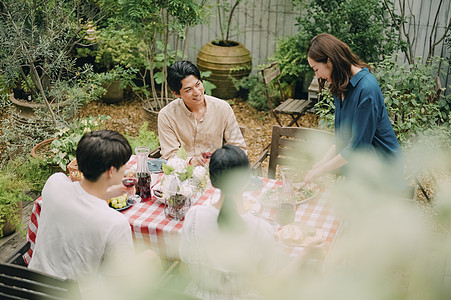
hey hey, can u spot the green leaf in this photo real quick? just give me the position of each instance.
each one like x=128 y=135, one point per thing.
x=167 y=170
x=182 y=153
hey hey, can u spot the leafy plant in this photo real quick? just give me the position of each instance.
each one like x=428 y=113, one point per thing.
x=208 y=86
x=12 y=191
x=254 y=89
x=291 y=54
x=410 y=95
x=37 y=41
x=325 y=109
x=32 y=170
x=153 y=21
x=145 y=137
x=64 y=146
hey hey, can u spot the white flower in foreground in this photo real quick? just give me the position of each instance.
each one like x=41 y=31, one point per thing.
x=199 y=173
x=186 y=190
x=178 y=164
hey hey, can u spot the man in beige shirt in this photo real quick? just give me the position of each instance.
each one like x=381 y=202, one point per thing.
x=197 y=122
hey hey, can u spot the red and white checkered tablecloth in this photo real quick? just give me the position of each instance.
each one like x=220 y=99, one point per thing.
x=150 y=225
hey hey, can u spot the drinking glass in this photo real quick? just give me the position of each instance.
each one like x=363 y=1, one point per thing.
x=207 y=150
x=130 y=181
x=286 y=206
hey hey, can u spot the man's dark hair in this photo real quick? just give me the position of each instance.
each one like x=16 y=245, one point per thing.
x=179 y=71
x=100 y=150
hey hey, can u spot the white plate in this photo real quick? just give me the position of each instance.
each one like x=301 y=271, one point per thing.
x=308 y=236
x=269 y=198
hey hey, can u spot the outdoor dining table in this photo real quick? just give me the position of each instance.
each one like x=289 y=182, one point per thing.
x=161 y=233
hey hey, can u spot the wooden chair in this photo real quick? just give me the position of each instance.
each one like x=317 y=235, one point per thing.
x=292 y=146
x=17 y=258
x=18 y=282
x=293 y=107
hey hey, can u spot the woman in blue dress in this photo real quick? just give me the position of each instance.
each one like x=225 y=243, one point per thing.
x=361 y=119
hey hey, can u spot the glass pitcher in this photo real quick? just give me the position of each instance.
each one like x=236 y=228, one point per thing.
x=143 y=173
x=286 y=206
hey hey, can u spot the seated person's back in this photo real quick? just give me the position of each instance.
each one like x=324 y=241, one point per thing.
x=77 y=230
x=222 y=248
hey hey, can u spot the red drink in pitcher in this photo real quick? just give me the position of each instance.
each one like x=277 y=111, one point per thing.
x=144 y=186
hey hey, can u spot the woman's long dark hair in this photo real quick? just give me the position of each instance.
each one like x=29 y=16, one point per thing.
x=325 y=46
x=229 y=172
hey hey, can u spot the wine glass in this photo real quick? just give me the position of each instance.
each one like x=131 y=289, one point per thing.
x=207 y=149
x=130 y=181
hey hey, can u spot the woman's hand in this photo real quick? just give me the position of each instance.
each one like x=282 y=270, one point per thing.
x=312 y=175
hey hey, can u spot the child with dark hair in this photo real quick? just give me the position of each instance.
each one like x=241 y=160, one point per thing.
x=195 y=119
x=78 y=232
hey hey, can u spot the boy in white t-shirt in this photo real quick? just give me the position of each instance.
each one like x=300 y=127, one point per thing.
x=78 y=232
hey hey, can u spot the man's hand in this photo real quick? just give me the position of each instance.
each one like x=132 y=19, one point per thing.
x=197 y=161
x=118 y=190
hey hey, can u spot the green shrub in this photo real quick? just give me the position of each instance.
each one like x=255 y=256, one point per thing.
x=32 y=170
x=145 y=137
x=12 y=191
x=64 y=146
x=325 y=109
x=410 y=95
x=255 y=90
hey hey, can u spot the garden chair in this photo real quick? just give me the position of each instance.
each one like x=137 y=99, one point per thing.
x=292 y=146
x=293 y=107
x=17 y=258
x=18 y=282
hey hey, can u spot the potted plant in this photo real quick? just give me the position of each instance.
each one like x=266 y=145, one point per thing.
x=118 y=57
x=225 y=58
x=37 y=41
x=154 y=23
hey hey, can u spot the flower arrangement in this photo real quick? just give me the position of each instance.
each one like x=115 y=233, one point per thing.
x=180 y=183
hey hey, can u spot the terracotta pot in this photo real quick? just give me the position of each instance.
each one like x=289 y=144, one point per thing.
x=114 y=92
x=40 y=149
x=222 y=61
x=151 y=109
x=25 y=110
x=7 y=226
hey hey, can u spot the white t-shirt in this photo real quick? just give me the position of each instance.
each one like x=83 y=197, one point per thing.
x=223 y=266
x=77 y=231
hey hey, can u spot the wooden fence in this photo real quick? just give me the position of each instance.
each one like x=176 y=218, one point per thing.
x=263 y=22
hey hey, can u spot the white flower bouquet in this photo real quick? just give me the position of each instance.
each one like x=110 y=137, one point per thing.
x=180 y=183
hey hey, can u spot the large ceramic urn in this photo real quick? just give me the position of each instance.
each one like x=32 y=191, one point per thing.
x=224 y=62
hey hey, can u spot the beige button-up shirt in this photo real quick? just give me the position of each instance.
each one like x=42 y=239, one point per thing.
x=178 y=127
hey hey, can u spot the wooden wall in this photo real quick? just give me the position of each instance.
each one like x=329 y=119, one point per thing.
x=263 y=22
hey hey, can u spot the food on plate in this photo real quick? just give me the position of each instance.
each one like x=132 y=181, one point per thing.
x=119 y=202
x=295 y=234
x=306 y=191
x=158 y=193
x=301 y=191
